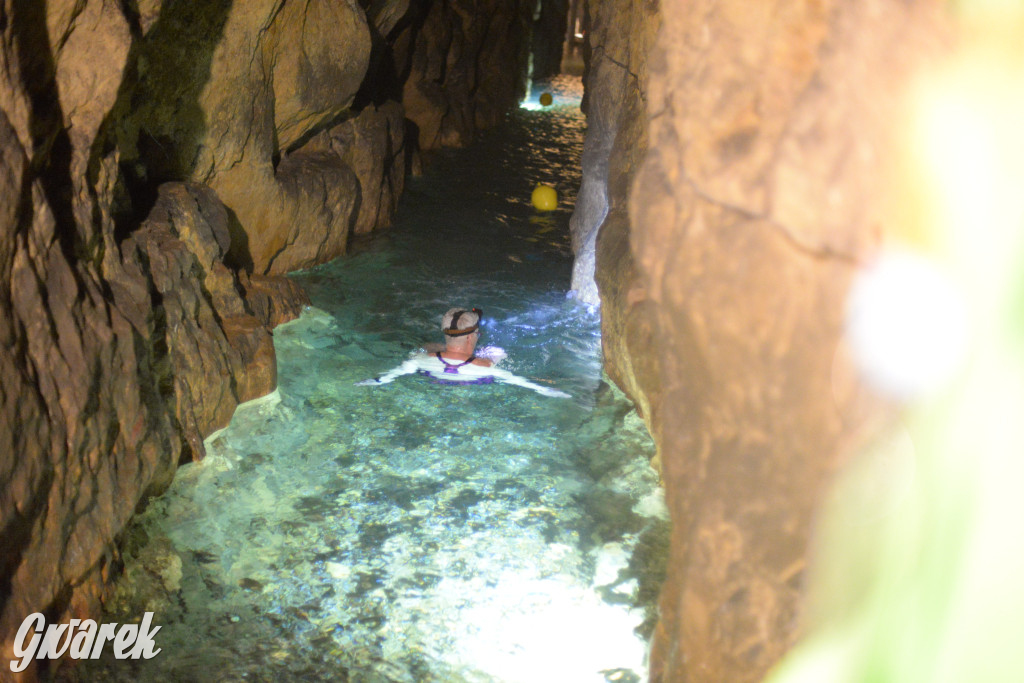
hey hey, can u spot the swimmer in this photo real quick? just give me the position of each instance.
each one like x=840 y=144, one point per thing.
x=459 y=362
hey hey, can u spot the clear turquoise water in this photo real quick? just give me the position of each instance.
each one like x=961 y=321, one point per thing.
x=414 y=532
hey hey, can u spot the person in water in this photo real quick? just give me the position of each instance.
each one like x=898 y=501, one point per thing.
x=459 y=362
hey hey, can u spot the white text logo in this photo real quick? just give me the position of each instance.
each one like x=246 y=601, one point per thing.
x=81 y=639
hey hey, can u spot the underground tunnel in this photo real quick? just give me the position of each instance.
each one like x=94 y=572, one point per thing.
x=745 y=397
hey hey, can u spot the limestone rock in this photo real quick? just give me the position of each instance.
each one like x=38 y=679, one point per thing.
x=385 y=15
x=468 y=68
x=226 y=95
x=120 y=349
x=251 y=340
x=218 y=353
x=148 y=151
x=216 y=84
x=83 y=431
x=373 y=145
x=319 y=52
x=273 y=299
x=722 y=286
x=393 y=29
x=547 y=37
x=617 y=43
x=291 y=217
x=152 y=578
x=346 y=179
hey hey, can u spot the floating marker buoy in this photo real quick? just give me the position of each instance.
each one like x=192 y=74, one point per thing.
x=544 y=198
x=546 y=99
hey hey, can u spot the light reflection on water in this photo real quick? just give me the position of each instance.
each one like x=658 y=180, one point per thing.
x=412 y=532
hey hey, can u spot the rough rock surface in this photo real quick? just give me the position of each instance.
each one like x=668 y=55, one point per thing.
x=231 y=95
x=228 y=95
x=121 y=349
x=218 y=353
x=620 y=36
x=161 y=163
x=373 y=145
x=467 y=69
x=722 y=291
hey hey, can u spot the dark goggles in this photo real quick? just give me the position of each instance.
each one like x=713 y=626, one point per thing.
x=454 y=330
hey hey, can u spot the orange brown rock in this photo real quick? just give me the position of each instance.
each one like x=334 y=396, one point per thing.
x=723 y=266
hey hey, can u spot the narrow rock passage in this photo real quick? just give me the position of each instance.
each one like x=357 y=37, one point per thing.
x=415 y=532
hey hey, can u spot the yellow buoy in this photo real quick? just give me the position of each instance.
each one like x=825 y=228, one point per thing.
x=546 y=99
x=544 y=198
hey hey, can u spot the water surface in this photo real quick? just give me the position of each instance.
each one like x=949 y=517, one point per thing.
x=415 y=532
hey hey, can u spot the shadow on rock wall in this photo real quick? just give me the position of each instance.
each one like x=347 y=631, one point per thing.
x=468 y=67
x=229 y=96
x=162 y=123
x=118 y=356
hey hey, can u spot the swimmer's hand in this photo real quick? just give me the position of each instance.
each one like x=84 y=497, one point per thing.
x=405 y=368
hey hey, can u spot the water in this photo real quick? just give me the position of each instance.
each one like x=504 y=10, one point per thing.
x=413 y=532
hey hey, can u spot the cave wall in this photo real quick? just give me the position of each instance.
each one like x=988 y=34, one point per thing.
x=467 y=67
x=246 y=98
x=119 y=356
x=228 y=94
x=722 y=270
x=161 y=165
x=158 y=162
x=547 y=38
x=618 y=39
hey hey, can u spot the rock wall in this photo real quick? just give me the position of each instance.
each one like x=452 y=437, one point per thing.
x=619 y=38
x=547 y=38
x=243 y=98
x=468 y=67
x=228 y=94
x=722 y=281
x=161 y=164
x=128 y=334
x=372 y=145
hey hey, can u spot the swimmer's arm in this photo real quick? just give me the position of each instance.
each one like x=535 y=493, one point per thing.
x=508 y=378
x=495 y=354
x=407 y=368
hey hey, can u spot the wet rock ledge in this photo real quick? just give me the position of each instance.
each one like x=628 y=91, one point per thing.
x=162 y=165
